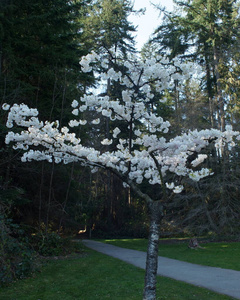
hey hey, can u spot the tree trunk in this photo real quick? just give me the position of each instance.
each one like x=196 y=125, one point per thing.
x=209 y=87
x=219 y=91
x=64 y=205
x=156 y=215
x=156 y=212
x=208 y=215
x=177 y=105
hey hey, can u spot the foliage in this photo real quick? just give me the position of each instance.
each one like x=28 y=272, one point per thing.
x=107 y=26
x=52 y=244
x=20 y=250
x=205 y=32
x=40 y=46
x=39 y=65
x=35 y=52
x=16 y=256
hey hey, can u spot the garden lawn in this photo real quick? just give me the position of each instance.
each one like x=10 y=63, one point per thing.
x=223 y=255
x=95 y=276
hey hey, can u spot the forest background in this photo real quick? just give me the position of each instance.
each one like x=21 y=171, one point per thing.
x=41 y=43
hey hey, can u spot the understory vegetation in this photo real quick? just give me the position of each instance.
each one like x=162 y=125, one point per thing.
x=21 y=252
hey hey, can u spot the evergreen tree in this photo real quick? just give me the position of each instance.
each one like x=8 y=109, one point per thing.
x=41 y=43
x=206 y=32
x=107 y=29
x=107 y=26
x=40 y=47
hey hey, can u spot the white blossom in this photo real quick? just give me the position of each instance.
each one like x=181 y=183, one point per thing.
x=199 y=159
x=75 y=112
x=74 y=104
x=170 y=185
x=197 y=175
x=116 y=131
x=96 y=121
x=178 y=189
x=147 y=137
x=82 y=122
x=5 y=106
x=106 y=142
x=73 y=123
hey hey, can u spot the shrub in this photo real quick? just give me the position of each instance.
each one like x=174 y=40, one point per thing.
x=52 y=244
x=17 y=259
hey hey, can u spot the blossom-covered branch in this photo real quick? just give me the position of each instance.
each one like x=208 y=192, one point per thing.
x=151 y=156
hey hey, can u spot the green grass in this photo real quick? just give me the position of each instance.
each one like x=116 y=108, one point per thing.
x=95 y=276
x=223 y=255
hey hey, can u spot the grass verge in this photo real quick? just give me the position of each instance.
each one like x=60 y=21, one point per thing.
x=222 y=255
x=95 y=276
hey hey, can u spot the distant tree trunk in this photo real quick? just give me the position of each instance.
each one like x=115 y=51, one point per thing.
x=64 y=204
x=53 y=96
x=152 y=252
x=49 y=197
x=0 y=60
x=63 y=97
x=177 y=105
x=40 y=197
x=208 y=215
x=209 y=87
x=219 y=91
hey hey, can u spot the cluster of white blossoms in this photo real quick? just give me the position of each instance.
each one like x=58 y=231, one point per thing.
x=140 y=152
x=176 y=189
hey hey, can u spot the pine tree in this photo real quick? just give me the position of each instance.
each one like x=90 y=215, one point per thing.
x=108 y=26
x=41 y=43
x=205 y=31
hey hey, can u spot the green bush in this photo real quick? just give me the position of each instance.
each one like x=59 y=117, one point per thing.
x=52 y=244
x=17 y=259
x=47 y=244
x=19 y=251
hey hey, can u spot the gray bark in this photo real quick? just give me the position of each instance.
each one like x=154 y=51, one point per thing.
x=209 y=89
x=156 y=212
x=156 y=215
x=219 y=91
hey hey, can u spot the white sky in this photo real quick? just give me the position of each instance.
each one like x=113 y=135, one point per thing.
x=150 y=21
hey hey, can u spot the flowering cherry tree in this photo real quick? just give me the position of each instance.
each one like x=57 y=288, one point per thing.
x=142 y=153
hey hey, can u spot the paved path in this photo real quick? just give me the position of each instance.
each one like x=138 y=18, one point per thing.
x=219 y=280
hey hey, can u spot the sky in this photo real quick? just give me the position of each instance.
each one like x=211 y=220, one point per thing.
x=150 y=21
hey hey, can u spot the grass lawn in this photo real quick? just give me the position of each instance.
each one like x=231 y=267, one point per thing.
x=95 y=276
x=223 y=255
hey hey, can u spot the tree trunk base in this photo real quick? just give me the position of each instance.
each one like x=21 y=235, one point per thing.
x=152 y=252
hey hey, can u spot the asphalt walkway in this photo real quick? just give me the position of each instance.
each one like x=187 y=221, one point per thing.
x=223 y=281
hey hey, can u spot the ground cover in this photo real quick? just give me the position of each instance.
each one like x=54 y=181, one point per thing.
x=94 y=276
x=223 y=254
